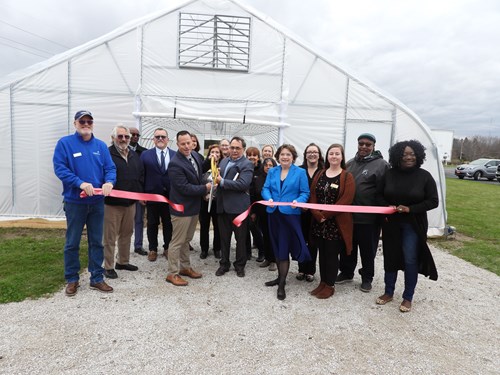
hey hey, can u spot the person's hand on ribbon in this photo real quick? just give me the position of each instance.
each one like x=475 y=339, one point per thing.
x=294 y=203
x=87 y=188
x=402 y=209
x=106 y=188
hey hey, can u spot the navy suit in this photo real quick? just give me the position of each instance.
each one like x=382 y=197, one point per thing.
x=156 y=182
x=233 y=198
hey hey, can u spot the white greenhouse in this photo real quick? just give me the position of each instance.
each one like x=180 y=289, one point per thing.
x=216 y=68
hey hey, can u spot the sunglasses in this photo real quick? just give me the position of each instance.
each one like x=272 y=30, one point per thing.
x=135 y=134
x=367 y=144
x=160 y=137
x=83 y=122
x=121 y=136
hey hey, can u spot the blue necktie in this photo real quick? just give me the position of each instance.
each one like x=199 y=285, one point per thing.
x=162 y=164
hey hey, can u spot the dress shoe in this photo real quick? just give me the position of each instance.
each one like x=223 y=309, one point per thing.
x=326 y=292
x=240 y=273
x=217 y=254
x=221 y=271
x=140 y=251
x=176 y=280
x=264 y=264
x=300 y=276
x=72 y=288
x=317 y=289
x=152 y=256
x=260 y=259
x=110 y=274
x=281 y=292
x=127 y=267
x=272 y=282
x=189 y=272
x=203 y=255
x=101 y=287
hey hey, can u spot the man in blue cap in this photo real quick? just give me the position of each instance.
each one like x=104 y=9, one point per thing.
x=368 y=168
x=82 y=162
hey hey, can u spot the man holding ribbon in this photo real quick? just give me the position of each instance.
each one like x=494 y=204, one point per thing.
x=186 y=188
x=156 y=161
x=83 y=162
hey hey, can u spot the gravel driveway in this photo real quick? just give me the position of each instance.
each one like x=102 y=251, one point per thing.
x=231 y=325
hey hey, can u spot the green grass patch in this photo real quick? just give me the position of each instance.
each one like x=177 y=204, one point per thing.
x=473 y=209
x=31 y=262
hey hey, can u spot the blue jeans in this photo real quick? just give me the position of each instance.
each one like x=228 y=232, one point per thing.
x=409 y=244
x=77 y=216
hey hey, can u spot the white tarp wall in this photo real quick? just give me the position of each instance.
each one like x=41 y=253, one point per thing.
x=135 y=69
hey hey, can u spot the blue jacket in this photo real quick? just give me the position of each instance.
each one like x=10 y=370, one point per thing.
x=155 y=181
x=295 y=187
x=186 y=186
x=77 y=161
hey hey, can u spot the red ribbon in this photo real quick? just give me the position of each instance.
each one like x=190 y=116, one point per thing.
x=138 y=196
x=316 y=206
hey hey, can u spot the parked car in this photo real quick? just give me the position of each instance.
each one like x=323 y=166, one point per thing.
x=479 y=168
x=498 y=173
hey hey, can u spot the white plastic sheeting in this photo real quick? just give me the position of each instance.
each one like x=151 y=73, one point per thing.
x=134 y=69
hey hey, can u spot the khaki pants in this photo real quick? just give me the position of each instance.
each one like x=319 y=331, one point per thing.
x=118 y=225
x=178 y=250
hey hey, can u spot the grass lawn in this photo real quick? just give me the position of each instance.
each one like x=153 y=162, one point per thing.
x=473 y=209
x=31 y=262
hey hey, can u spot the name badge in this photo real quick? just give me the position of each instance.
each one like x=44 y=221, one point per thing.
x=77 y=154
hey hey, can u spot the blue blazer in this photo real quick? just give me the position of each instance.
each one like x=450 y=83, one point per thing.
x=186 y=186
x=234 y=196
x=295 y=187
x=155 y=181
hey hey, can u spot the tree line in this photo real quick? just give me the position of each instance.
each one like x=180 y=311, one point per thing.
x=475 y=147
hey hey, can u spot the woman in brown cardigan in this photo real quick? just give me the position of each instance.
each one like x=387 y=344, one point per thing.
x=332 y=231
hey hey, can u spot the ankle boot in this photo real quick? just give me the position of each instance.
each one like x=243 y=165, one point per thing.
x=318 y=289
x=326 y=292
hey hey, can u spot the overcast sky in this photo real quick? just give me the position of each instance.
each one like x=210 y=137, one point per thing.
x=439 y=57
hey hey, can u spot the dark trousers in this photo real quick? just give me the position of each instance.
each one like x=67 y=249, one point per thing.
x=155 y=213
x=329 y=251
x=254 y=229
x=365 y=237
x=226 y=229
x=309 y=268
x=205 y=218
x=138 y=225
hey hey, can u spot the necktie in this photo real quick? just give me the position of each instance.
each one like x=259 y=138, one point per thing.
x=162 y=164
x=194 y=164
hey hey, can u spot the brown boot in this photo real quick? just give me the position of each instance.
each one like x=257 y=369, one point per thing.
x=318 y=288
x=326 y=292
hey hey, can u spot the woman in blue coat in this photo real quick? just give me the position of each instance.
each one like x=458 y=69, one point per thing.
x=286 y=183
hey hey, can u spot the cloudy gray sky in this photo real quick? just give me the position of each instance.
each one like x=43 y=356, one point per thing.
x=439 y=57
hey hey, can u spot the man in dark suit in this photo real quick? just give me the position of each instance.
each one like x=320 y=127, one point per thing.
x=186 y=188
x=139 y=206
x=233 y=198
x=156 y=181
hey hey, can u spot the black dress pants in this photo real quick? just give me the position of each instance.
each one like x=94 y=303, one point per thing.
x=226 y=229
x=157 y=212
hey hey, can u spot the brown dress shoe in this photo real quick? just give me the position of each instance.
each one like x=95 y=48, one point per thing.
x=326 y=292
x=152 y=256
x=176 y=280
x=189 y=272
x=318 y=289
x=102 y=287
x=72 y=288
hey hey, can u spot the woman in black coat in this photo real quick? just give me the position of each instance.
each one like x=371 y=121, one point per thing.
x=412 y=192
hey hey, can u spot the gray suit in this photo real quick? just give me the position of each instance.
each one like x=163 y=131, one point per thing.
x=233 y=198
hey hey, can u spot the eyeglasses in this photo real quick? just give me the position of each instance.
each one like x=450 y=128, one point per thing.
x=236 y=148
x=121 y=136
x=312 y=153
x=367 y=144
x=83 y=122
x=135 y=134
x=158 y=137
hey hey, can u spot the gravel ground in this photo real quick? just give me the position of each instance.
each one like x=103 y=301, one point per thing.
x=229 y=325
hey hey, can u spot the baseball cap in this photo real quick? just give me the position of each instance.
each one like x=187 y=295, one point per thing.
x=80 y=114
